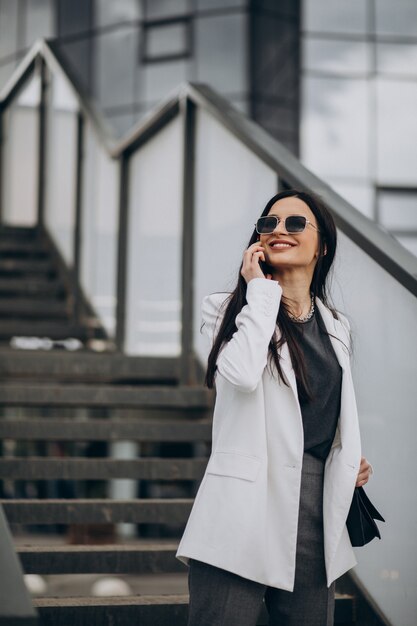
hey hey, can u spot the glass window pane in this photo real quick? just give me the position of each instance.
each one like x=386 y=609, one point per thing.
x=78 y=53
x=216 y=39
x=383 y=318
x=163 y=8
x=8 y=27
x=232 y=187
x=73 y=17
x=165 y=40
x=396 y=18
x=341 y=57
x=99 y=215
x=398 y=209
x=396 y=132
x=39 y=20
x=337 y=16
x=159 y=79
x=335 y=127
x=107 y=13
x=116 y=65
x=360 y=194
x=121 y=123
x=397 y=59
x=153 y=301
x=21 y=156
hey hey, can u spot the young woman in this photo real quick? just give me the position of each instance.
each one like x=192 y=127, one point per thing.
x=269 y=519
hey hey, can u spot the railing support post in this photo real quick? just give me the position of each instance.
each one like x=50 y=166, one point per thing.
x=76 y=274
x=122 y=252
x=42 y=130
x=187 y=374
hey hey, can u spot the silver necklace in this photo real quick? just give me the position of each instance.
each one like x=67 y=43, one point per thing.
x=305 y=318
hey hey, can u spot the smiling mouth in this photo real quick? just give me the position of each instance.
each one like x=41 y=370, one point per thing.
x=280 y=245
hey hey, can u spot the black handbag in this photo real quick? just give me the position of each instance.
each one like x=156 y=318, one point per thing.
x=361 y=518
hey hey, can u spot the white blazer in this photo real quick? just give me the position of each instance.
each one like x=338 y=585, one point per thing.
x=245 y=514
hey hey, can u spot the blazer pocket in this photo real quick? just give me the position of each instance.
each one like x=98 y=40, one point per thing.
x=234 y=464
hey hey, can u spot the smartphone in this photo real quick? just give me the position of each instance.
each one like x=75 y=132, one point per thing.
x=266 y=269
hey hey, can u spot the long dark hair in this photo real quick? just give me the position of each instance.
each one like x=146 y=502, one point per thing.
x=289 y=332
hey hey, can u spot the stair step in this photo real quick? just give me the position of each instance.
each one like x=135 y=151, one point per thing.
x=107 y=430
x=98 y=511
x=35 y=287
x=22 y=267
x=18 y=232
x=115 y=559
x=87 y=366
x=164 y=610
x=103 y=395
x=146 y=610
x=17 y=247
x=34 y=308
x=80 y=468
x=47 y=328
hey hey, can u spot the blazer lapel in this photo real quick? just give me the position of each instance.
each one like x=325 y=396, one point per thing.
x=288 y=369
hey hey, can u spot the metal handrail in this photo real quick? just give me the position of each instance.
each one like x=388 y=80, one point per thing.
x=369 y=236
x=15 y=601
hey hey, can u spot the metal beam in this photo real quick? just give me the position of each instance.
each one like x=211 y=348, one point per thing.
x=187 y=375
x=122 y=251
x=42 y=138
x=77 y=241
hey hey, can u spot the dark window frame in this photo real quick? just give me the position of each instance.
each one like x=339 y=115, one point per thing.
x=147 y=25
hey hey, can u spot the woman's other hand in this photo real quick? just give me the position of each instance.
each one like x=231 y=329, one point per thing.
x=251 y=268
x=365 y=470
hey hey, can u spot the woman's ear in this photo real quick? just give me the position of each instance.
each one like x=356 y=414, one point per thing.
x=324 y=252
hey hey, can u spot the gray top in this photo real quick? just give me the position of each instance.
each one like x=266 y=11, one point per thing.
x=320 y=415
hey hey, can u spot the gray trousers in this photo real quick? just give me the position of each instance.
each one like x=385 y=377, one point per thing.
x=222 y=598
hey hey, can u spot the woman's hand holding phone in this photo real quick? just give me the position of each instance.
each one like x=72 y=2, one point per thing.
x=252 y=259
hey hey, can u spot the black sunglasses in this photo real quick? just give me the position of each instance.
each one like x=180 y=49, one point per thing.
x=292 y=223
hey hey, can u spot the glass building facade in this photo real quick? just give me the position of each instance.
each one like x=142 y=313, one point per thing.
x=334 y=80
x=359 y=97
